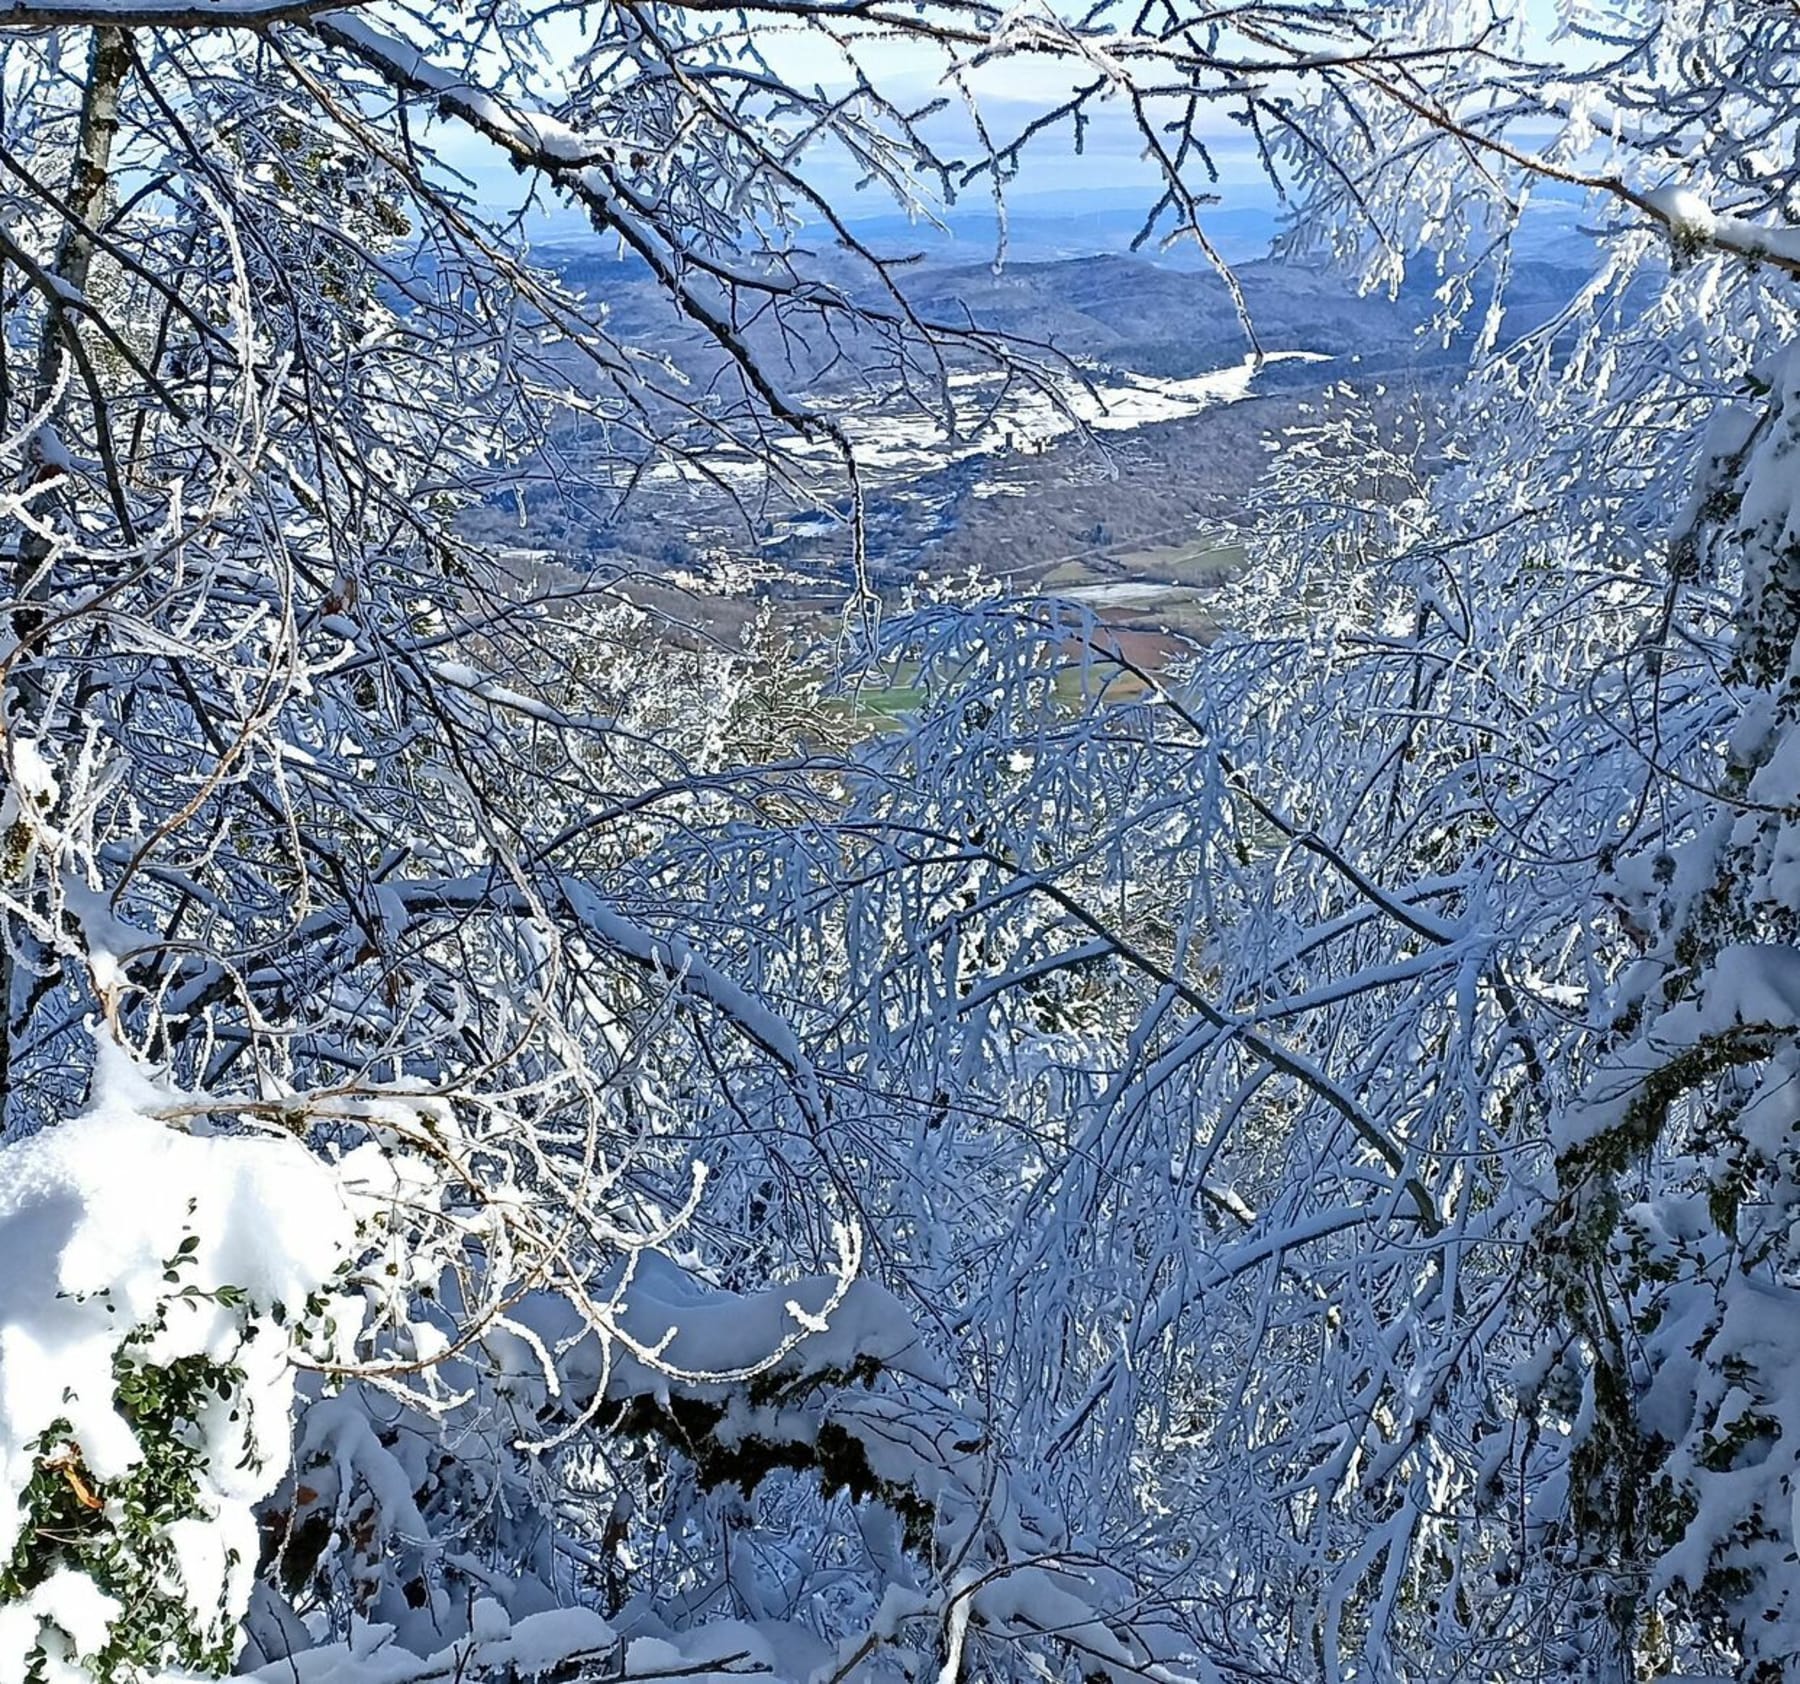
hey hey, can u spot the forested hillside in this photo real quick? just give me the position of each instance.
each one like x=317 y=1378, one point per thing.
x=544 y=1141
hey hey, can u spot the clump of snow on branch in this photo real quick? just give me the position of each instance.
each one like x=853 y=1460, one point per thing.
x=129 y=1246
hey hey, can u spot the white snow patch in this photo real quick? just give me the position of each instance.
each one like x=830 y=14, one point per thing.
x=95 y=1214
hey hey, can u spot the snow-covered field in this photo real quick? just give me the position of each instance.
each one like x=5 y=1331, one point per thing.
x=994 y=415
x=1122 y=594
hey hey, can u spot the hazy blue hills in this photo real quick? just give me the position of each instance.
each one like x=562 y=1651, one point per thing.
x=1129 y=320
x=1065 y=225
x=1122 y=310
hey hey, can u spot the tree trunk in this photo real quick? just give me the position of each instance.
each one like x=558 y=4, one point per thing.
x=84 y=202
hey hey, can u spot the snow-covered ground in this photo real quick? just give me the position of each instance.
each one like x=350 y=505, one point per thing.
x=1121 y=594
x=992 y=416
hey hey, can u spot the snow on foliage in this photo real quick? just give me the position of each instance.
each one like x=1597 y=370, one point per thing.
x=537 y=1644
x=149 y=1282
x=156 y=1283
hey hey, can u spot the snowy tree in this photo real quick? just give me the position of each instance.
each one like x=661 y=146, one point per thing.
x=1287 y=1175
x=306 y=818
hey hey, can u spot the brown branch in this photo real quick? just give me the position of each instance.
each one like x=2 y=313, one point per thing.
x=161 y=14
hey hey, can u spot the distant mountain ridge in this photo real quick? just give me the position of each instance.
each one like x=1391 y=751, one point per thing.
x=1063 y=226
x=1120 y=310
x=1122 y=317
